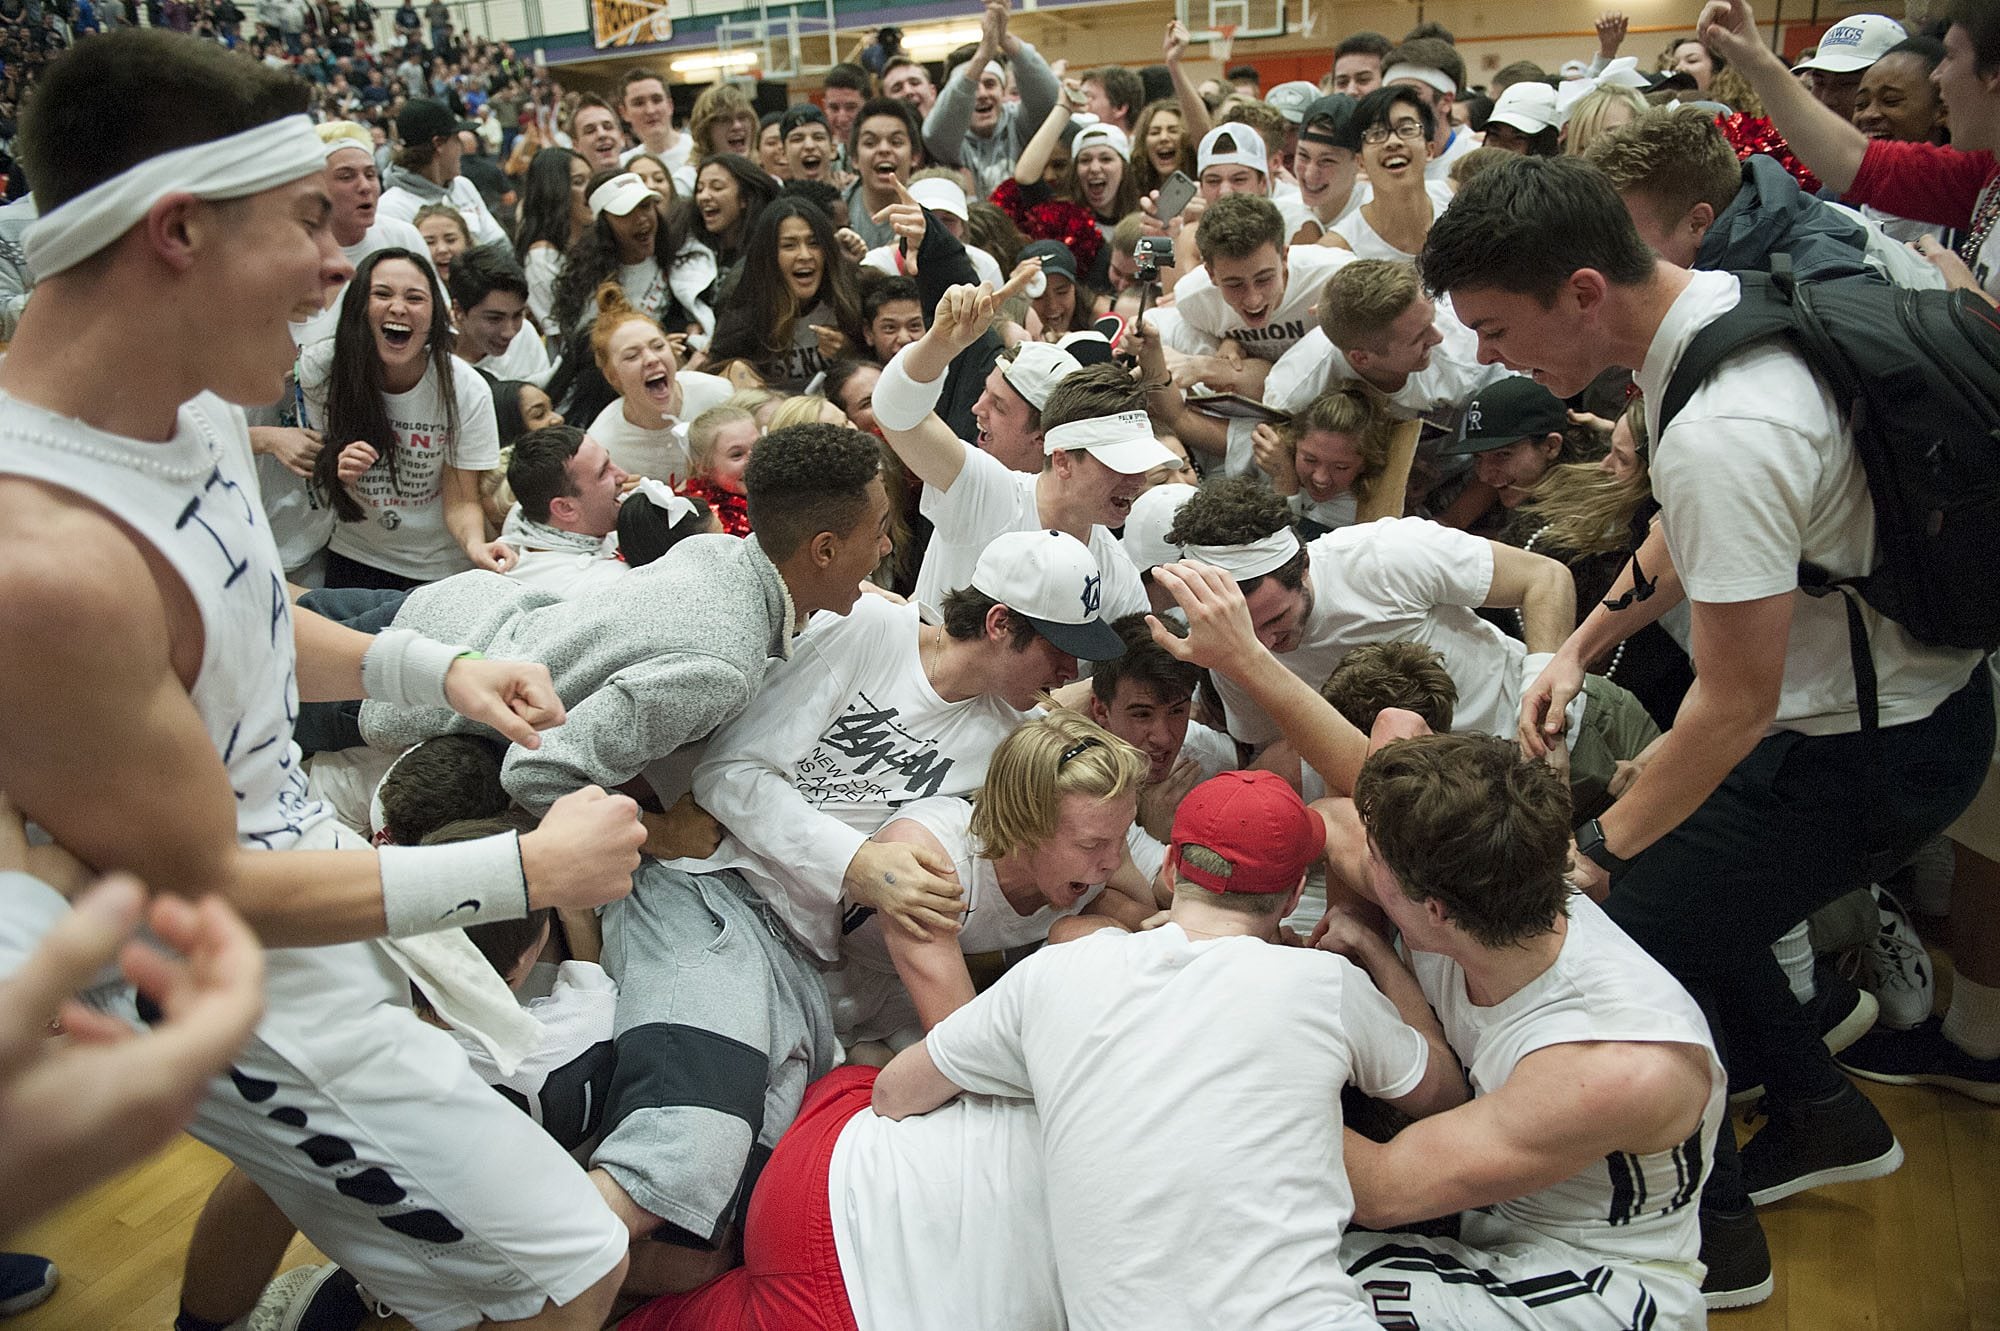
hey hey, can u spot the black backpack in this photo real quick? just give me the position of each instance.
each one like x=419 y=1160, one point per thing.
x=1917 y=374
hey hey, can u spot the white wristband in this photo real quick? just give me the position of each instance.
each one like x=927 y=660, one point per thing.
x=427 y=888
x=901 y=403
x=405 y=669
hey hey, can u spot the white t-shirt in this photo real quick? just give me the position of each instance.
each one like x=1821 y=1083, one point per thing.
x=645 y=286
x=1366 y=244
x=986 y=500
x=386 y=233
x=1332 y=514
x=404 y=531
x=542 y=267
x=841 y=736
x=403 y=205
x=1201 y=319
x=1438 y=169
x=525 y=358
x=1190 y=1102
x=1400 y=580
x=1602 y=986
x=1757 y=473
x=941 y=1220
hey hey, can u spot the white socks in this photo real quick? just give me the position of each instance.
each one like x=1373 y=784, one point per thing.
x=1794 y=953
x=1973 y=1023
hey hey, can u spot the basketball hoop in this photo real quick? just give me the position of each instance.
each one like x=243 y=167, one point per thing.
x=1221 y=40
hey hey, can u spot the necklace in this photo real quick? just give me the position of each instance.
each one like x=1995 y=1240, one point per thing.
x=1617 y=654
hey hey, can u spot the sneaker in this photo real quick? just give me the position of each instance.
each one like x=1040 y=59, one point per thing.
x=1841 y=1138
x=1922 y=1056
x=1840 y=1012
x=1737 y=1257
x=26 y=1281
x=309 y=1298
x=1895 y=967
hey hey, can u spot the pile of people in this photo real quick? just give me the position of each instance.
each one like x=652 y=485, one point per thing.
x=924 y=682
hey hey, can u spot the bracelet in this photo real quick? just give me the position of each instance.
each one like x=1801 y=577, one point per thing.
x=900 y=402
x=426 y=888
x=405 y=669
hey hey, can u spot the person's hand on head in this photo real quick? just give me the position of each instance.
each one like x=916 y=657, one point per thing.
x=585 y=850
x=355 y=460
x=512 y=697
x=1220 y=635
x=1274 y=458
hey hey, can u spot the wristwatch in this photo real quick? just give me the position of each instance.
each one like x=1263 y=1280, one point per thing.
x=1590 y=843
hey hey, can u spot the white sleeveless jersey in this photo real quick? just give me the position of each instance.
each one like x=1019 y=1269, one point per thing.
x=194 y=500
x=1603 y=986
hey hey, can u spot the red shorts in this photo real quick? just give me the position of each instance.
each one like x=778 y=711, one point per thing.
x=790 y=1278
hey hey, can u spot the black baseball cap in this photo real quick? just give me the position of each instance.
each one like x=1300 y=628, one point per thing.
x=1330 y=120
x=424 y=121
x=1056 y=257
x=805 y=113
x=1506 y=412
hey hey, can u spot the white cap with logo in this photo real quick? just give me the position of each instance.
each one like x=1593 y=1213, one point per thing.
x=1529 y=107
x=1124 y=442
x=1232 y=145
x=1855 y=43
x=1036 y=369
x=1050 y=579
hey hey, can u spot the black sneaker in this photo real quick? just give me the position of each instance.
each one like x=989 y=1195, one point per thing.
x=1923 y=1057
x=1737 y=1258
x=26 y=1281
x=1810 y=1143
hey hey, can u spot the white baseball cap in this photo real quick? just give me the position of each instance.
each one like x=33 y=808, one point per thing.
x=619 y=195
x=1529 y=107
x=1291 y=99
x=1036 y=368
x=1102 y=136
x=1854 y=43
x=1245 y=148
x=1050 y=579
x=1148 y=522
x=940 y=196
x=1124 y=442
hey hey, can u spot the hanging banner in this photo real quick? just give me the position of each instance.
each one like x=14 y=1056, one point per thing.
x=630 y=22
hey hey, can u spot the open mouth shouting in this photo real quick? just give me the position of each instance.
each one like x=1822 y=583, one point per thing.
x=804 y=277
x=397 y=335
x=812 y=163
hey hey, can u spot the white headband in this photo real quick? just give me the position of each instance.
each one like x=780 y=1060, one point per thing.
x=273 y=154
x=345 y=142
x=679 y=507
x=1097 y=431
x=377 y=820
x=1430 y=78
x=1267 y=554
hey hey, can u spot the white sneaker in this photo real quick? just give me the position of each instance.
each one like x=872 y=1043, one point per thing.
x=1895 y=967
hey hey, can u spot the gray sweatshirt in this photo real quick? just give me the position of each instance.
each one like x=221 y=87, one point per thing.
x=948 y=132
x=644 y=664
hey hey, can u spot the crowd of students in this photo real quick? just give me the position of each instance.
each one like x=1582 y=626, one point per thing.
x=1148 y=693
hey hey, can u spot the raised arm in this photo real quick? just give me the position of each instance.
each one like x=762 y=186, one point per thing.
x=950 y=119
x=1034 y=158
x=1830 y=146
x=907 y=394
x=1220 y=638
x=1173 y=50
x=1541 y=588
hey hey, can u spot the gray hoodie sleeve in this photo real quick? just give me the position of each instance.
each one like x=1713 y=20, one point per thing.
x=950 y=119
x=638 y=715
x=1039 y=89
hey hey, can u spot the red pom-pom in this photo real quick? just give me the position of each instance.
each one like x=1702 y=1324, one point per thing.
x=1755 y=134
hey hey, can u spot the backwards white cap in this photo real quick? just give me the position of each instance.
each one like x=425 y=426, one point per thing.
x=236 y=166
x=1246 y=149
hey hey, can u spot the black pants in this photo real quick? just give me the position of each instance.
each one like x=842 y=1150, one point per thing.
x=325 y=727
x=344 y=572
x=1801 y=821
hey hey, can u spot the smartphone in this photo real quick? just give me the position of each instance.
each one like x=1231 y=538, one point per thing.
x=1175 y=194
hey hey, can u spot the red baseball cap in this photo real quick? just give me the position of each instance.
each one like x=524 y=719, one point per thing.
x=1259 y=826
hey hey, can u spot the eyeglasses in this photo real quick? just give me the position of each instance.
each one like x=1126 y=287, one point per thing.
x=1410 y=130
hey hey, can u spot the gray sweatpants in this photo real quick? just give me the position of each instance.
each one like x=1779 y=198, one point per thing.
x=722 y=1021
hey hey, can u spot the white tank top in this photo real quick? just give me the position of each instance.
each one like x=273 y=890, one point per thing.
x=194 y=500
x=1603 y=986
